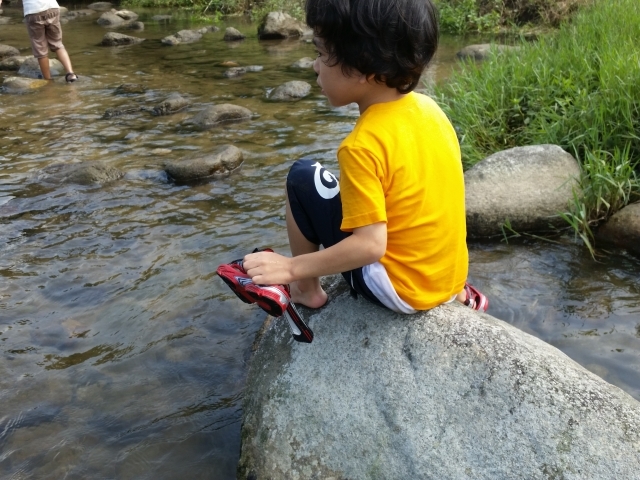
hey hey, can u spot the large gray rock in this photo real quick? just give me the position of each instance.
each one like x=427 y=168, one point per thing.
x=623 y=229
x=130 y=88
x=113 y=39
x=12 y=63
x=293 y=90
x=219 y=164
x=277 y=25
x=110 y=19
x=127 y=15
x=100 y=6
x=220 y=114
x=183 y=36
x=7 y=51
x=86 y=173
x=303 y=63
x=232 y=34
x=172 y=104
x=482 y=51
x=444 y=394
x=22 y=85
x=526 y=186
x=31 y=68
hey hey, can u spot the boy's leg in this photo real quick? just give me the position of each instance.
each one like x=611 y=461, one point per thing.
x=44 y=67
x=39 y=48
x=53 y=33
x=63 y=56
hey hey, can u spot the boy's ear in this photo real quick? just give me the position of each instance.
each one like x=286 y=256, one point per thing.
x=367 y=78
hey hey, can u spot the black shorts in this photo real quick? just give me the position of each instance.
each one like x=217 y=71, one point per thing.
x=314 y=197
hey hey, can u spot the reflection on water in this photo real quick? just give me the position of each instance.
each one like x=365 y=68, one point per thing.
x=123 y=355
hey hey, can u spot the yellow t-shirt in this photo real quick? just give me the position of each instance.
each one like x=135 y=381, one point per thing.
x=401 y=165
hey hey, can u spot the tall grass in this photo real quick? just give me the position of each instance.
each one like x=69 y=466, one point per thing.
x=578 y=88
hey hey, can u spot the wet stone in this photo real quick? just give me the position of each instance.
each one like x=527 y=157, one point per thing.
x=127 y=15
x=276 y=25
x=8 y=51
x=220 y=114
x=30 y=68
x=231 y=35
x=254 y=68
x=110 y=19
x=172 y=104
x=303 y=63
x=161 y=18
x=119 y=111
x=219 y=164
x=183 y=36
x=12 y=63
x=293 y=90
x=22 y=85
x=235 y=72
x=100 y=6
x=130 y=88
x=85 y=173
x=113 y=39
x=138 y=26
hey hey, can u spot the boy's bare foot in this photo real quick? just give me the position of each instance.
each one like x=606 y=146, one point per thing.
x=313 y=296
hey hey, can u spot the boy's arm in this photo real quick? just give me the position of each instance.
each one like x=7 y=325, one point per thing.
x=364 y=246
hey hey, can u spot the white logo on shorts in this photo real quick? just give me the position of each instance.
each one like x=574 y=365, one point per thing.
x=324 y=191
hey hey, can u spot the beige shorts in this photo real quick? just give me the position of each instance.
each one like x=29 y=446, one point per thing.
x=45 y=32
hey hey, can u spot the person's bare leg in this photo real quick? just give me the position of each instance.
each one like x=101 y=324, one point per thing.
x=44 y=67
x=308 y=292
x=63 y=56
x=462 y=296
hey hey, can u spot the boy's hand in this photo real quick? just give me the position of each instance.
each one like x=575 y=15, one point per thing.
x=268 y=268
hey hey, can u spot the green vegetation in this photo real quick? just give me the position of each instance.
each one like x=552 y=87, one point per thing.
x=578 y=88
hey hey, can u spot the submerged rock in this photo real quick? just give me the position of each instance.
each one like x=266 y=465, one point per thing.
x=183 y=36
x=138 y=26
x=482 y=51
x=235 y=72
x=12 y=63
x=161 y=18
x=293 y=90
x=303 y=63
x=114 y=39
x=31 y=68
x=445 y=394
x=100 y=6
x=172 y=104
x=110 y=19
x=127 y=15
x=623 y=229
x=130 y=88
x=85 y=173
x=121 y=110
x=277 y=25
x=231 y=35
x=222 y=163
x=8 y=51
x=220 y=114
x=22 y=85
x=526 y=186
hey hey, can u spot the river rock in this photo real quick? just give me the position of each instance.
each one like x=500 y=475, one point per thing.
x=232 y=35
x=113 y=39
x=100 y=6
x=127 y=15
x=161 y=18
x=303 y=63
x=172 y=104
x=220 y=114
x=12 y=63
x=235 y=72
x=254 y=68
x=110 y=19
x=21 y=84
x=121 y=110
x=482 y=51
x=5 y=20
x=30 y=68
x=277 y=25
x=82 y=12
x=130 y=88
x=526 y=186
x=7 y=51
x=623 y=229
x=293 y=90
x=138 y=26
x=219 y=164
x=183 y=36
x=448 y=393
x=85 y=173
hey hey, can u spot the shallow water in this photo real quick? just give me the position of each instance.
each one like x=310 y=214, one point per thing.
x=123 y=355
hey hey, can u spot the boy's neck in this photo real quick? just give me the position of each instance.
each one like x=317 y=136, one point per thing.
x=374 y=93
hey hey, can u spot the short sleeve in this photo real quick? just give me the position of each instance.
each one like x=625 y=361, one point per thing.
x=361 y=190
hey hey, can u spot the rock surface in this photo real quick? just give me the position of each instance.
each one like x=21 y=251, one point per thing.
x=220 y=114
x=138 y=26
x=231 y=35
x=5 y=20
x=115 y=39
x=303 y=63
x=444 y=394
x=172 y=104
x=30 y=68
x=100 y=6
x=21 y=84
x=482 y=51
x=8 y=51
x=85 y=173
x=110 y=19
x=526 y=186
x=184 y=36
x=623 y=229
x=219 y=164
x=12 y=63
x=130 y=88
x=277 y=25
x=293 y=90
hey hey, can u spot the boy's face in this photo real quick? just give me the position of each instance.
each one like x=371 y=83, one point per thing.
x=340 y=89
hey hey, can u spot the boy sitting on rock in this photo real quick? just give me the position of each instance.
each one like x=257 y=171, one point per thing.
x=42 y=18
x=395 y=224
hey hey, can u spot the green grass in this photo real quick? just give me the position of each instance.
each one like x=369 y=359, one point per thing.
x=578 y=88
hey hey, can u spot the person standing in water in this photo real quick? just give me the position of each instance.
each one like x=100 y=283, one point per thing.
x=42 y=18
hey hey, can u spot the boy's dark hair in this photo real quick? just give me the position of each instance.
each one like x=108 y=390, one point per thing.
x=392 y=39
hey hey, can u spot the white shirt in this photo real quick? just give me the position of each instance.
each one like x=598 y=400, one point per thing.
x=37 y=6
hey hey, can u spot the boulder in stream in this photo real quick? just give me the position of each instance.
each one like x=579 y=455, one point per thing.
x=114 y=39
x=232 y=35
x=12 y=63
x=110 y=19
x=85 y=173
x=100 y=6
x=277 y=25
x=22 y=85
x=7 y=51
x=234 y=72
x=293 y=90
x=482 y=51
x=449 y=393
x=127 y=15
x=31 y=68
x=172 y=104
x=623 y=229
x=138 y=26
x=220 y=114
x=303 y=63
x=121 y=110
x=222 y=163
x=130 y=88
x=183 y=36
x=525 y=186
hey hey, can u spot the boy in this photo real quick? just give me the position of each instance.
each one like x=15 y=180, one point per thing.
x=395 y=224
x=42 y=18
